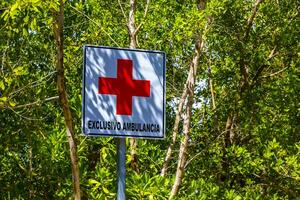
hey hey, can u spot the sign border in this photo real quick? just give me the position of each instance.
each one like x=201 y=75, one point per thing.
x=83 y=94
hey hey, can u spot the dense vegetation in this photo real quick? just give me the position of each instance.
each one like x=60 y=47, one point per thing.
x=233 y=86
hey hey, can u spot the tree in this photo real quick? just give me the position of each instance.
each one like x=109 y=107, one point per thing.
x=237 y=115
x=58 y=26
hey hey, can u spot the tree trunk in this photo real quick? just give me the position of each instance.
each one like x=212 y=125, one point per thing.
x=176 y=125
x=131 y=25
x=244 y=86
x=58 y=33
x=132 y=45
x=132 y=33
x=187 y=121
x=183 y=147
x=201 y=6
x=211 y=88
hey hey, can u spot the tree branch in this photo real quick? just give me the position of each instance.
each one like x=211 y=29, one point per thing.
x=212 y=93
x=58 y=27
x=183 y=152
x=275 y=73
x=27 y=118
x=243 y=66
x=33 y=84
x=261 y=68
x=272 y=54
x=251 y=19
x=101 y=28
x=133 y=42
x=35 y=103
x=145 y=14
x=4 y=56
x=123 y=11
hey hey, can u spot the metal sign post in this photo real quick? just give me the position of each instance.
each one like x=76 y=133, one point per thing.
x=121 y=145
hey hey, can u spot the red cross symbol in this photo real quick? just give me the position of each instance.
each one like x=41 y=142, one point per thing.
x=124 y=87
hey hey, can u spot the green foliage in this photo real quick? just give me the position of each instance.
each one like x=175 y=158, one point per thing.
x=263 y=159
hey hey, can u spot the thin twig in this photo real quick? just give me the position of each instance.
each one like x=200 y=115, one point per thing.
x=261 y=68
x=36 y=102
x=123 y=11
x=188 y=162
x=33 y=84
x=27 y=118
x=74 y=25
x=275 y=73
x=101 y=28
x=251 y=19
x=4 y=55
x=145 y=14
x=272 y=54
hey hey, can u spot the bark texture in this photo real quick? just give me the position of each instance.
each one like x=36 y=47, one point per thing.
x=230 y=133
x=184 y=95
x=58 y=33
x=187 y=121
x=132 y=33
x=244 y=85
x=133 y=43
x=176 y=125
x=211 y=88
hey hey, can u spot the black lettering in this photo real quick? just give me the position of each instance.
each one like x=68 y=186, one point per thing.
x=109 y=125
x=89 y=124
x=118 y=125
x=138 y=127
x=148 y=127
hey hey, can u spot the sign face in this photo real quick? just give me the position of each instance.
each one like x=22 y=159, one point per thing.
x=123 y=92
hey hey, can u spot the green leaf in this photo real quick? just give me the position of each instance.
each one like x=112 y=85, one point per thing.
x=105 y=190
x=2 y=87
x=12 y=103
x=3 y=99
x=14 y=7
x=93 y=181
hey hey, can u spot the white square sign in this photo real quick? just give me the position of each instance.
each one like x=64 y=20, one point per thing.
x=123 y=92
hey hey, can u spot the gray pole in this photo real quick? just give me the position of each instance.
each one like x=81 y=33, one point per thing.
x=121 y=143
